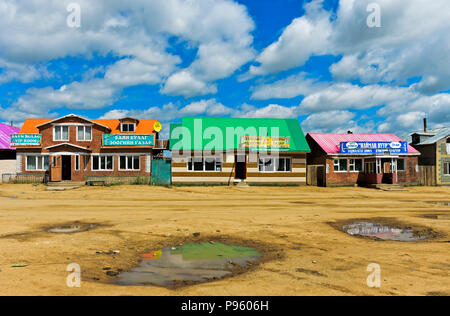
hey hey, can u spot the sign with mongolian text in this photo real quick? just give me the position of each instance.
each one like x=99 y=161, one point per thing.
x=265 y=142
x=26 y=140
x=374 y=147
x=129 y=140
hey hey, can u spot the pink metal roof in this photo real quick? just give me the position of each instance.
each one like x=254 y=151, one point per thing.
x=330 y=142
x=5 y=135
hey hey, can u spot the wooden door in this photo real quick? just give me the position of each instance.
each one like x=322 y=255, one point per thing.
x=55 y=169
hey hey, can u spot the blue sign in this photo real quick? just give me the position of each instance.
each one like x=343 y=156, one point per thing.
x=25 y=140
x=129 y=140
x=374 y=147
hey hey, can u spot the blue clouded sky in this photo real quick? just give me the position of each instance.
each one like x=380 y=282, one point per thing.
x=318 y=61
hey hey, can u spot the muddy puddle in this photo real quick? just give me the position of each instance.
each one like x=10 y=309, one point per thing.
x=189 y=264
x=438 y=216
x=379 y=231
x=71 y=228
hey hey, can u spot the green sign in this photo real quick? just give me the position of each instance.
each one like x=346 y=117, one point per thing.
x=128 y=140
x=25 y=140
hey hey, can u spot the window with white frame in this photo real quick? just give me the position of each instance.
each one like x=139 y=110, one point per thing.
x=128 y=127
x=447 y=168
x=102 y=163
x=37 y=163
x=129 y=163
x=356 y=165
x=61 y=133
x=448 y=146
x=84 y=133
x=210 y=164
x=275 y=164
x=340 y=165
x=401 y=164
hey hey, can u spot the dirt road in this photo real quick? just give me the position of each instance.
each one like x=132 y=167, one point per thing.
x=303 y=253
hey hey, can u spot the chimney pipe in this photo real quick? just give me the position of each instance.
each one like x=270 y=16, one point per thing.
x=425 y=125
x=12 y=123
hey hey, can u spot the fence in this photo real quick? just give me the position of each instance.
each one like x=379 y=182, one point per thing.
x=24 y=178
x=427 y=175
x=161 y=172
x=117 y=180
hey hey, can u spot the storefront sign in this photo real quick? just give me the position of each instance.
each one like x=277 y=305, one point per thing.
x=374 y=147
x=265 y=142
x=26 y=140
x=128 y=140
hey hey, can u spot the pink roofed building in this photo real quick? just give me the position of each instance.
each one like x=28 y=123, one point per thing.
x=7 y=154
x=5 y=137
x=361 y=159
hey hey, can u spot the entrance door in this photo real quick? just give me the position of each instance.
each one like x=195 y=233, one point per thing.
x=66 y=168
x=55 y=169
x=387 y=171
x=240 y=171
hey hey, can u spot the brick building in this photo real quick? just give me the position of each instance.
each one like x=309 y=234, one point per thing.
x=74 y=148
x=362 y=159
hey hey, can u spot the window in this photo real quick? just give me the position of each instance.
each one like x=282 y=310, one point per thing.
x=129 y=163
x=369 y=167
x=84 y=133
x=340 y=165
x=61 y=133
x=128 y=127
x=448 y=146
x=356 y=165
x=205 y=164
x=102 y=163
x=275 y=164
x=37 y=163
x=77 y=162
x=401 y=164
x=447 y=168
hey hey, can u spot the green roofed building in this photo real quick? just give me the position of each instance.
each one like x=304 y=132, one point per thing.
x=233 y=150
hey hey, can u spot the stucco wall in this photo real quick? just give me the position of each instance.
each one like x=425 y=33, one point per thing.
x=7 y=166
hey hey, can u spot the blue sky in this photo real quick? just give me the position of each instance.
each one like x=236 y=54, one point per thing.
x=319 y=61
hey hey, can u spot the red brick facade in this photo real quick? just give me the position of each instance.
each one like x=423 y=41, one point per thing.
x=410 y=176
x=60 y=153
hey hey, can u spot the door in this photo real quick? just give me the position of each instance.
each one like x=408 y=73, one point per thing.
x=55 y=169
x=66 y=167
x=240 y=171
x=387 y=171
x=161 y=172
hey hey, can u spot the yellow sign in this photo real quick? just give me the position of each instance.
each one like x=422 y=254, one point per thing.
x=266 y=142
x=157 y=127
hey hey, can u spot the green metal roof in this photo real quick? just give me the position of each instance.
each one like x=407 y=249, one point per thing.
x=225 y=133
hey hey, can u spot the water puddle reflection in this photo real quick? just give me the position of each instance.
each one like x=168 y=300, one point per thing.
x=189 y=264
x=367 y=229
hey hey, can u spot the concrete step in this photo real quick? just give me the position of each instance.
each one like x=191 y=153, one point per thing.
x=241 y=184
x=388 y=187
x=64 y=185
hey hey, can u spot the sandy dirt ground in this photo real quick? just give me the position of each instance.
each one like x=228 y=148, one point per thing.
x=303 y=254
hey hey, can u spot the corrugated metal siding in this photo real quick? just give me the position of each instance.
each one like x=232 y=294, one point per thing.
x=5 y=135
